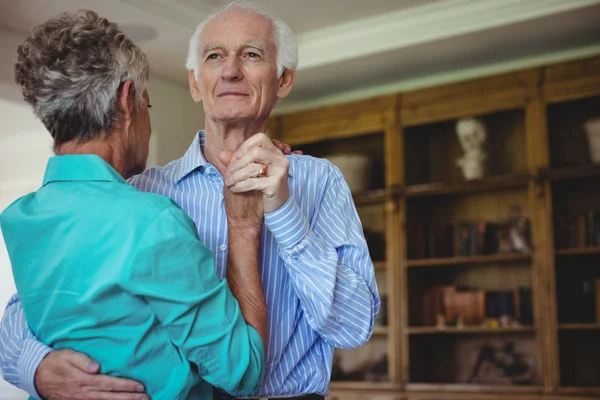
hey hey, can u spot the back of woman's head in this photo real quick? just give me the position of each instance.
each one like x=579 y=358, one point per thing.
x=70 y=70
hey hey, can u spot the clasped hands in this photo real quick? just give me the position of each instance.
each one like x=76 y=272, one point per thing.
x=258 y=169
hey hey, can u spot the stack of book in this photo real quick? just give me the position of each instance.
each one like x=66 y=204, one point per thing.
x=445 y=305
x=577 y=229
x=459 y=239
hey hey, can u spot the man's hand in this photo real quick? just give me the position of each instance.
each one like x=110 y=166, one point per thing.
x=68 y=375
x=285 y=148
x=245 y=167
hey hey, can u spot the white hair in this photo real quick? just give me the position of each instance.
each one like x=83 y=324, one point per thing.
x=285 y=42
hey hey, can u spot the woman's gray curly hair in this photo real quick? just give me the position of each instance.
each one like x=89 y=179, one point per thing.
x=70 y=70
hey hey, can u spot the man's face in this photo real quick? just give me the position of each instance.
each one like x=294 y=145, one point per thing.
x=139 y=140
x=238 y=72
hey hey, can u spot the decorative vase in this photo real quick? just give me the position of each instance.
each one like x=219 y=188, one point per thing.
x=356 y=169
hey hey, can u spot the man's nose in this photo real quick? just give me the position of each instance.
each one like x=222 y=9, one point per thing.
x=231 y=70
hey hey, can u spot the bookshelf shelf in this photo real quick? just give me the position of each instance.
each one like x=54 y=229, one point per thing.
x=370 y=197
x=432 y=330
x=593 y=391
x=579 y=327
x=584 y=171
x=578 y=251
x=368 y=386
x=380 y=331
x=471 y=388
x=494 y=183
x=376 y=196
x=494 y=258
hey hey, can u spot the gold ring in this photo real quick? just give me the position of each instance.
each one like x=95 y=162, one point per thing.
x=262 y=172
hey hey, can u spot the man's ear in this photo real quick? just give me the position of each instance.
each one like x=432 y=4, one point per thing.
x=193 y=83
x=126 y=99
x=285 y=83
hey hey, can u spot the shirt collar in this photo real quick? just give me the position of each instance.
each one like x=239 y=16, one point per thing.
x=80 y=167
x=194 y=158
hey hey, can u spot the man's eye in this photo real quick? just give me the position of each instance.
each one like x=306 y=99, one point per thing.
x=252 y=54
x=212 y=56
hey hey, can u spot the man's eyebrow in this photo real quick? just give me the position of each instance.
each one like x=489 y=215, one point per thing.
x=210 y=47
x=255 y=45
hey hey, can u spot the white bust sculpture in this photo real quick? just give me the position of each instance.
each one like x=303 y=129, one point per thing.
x=472 y=135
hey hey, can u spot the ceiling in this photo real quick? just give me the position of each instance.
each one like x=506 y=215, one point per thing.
x=349 y=45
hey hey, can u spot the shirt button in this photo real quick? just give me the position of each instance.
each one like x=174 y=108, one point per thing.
x=208 y=170
x=223 y=247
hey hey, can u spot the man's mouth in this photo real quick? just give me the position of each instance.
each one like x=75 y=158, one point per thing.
x=232 y=93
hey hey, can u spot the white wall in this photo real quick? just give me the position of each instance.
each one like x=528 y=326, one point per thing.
x=25 y=146
x=175 y=119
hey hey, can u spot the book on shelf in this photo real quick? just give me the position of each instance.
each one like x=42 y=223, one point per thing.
x=445 y=305
x=578 y=229
x=461 y=239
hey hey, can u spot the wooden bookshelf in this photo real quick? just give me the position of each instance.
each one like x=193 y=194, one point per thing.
x=453 y=261
x=432 y=330
x=538 y=160
x=579 y=327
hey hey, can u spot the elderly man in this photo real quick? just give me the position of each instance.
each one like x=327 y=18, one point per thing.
x=316 y=272
x=110 y=271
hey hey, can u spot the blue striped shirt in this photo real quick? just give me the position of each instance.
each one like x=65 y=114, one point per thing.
x=316 y=271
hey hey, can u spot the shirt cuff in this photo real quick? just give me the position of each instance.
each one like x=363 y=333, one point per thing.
x=29 y=361
x=287 y=224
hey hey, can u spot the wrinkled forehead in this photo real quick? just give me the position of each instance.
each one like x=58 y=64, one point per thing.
x=236 y=28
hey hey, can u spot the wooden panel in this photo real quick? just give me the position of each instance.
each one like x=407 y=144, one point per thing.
x=340 y=121
x=480 y=96
x=544 y=291
x=394 y=178
x=572 y=80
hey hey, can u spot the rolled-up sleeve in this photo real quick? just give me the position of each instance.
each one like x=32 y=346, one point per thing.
x=195 y=306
